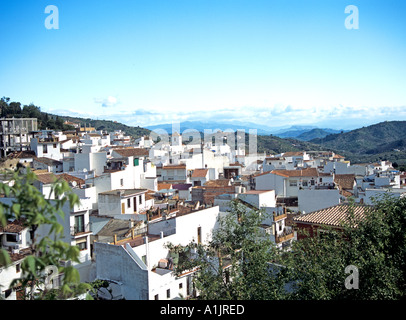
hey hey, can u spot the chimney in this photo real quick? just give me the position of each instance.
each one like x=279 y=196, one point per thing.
x=115 y=239
x=132 y=234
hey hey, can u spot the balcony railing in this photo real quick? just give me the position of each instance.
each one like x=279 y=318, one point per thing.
x=78 y=230
x=279 y=217
x=285 y=236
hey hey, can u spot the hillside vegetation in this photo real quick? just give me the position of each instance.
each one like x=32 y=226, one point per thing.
x=10 y=109
x=382 y=141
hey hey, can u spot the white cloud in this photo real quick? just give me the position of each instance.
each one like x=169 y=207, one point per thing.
x=110 y=101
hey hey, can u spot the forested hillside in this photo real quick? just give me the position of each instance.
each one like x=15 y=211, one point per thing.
x=9 y=109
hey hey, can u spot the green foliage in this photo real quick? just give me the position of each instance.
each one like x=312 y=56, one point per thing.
x=240 y=263
x=236 y=262
x=31 y=208
x=110 y=126
x=45 y=121
x=377 y=247
x=53 y=122
x=374 y=137
x=97 y=285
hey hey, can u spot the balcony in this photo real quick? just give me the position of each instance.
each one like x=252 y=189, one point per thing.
x=279 y=217
x=79 y=230
x=285 y=236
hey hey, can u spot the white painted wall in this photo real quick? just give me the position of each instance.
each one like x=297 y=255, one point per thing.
x=53 y=149
x=137 y=281
x=259 y=200
x=91 y=161
x=316 y=199
x=271 y=182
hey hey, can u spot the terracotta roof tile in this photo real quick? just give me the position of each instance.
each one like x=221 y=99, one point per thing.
x=200 y=173
x=218 y=183
x=70 y=178
x=345 y=181
x=132 y=152
x=162 y=186
x=14 y=226
x=174 y=166
x=309 y=172
x=293 y=154
x=46 y=178
x=333 y=216
x=48 y=161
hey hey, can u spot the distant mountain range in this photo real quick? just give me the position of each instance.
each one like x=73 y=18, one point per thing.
x=205 y=125
x=304 y=133
x=387 y=136
x=307 y=134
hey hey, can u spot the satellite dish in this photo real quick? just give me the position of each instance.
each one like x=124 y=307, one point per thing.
x=84 y=170
x=74 y=183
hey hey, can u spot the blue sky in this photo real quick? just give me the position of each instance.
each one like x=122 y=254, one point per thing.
x=144 y=62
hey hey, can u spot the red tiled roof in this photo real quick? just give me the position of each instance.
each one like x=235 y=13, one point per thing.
x=256 y=191
x=293 y=153
x=164 y=186
x=46 y=178
x=333 y=216
x=345 y=181
x=309 y=172
x=174 y=166
x=48 y=161
x=132 y=152
x=261 y=174
x=15 y=226
x=70 y=178
x=199 y=173
x=218 y=183
x=22 y=154
x=235 y=164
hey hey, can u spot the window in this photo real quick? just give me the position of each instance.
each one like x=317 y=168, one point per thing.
x=79 y=223
x=81 y=243
x=140 y=199
x=293 y=183
x=199 y=235
x=304 y=183
x=11 y=237
x=7 y=293
x=168 y=293
x=54 y=145
x=156 y=297
x=128 y=202
x=180 y=286
x=121 y=182
x=18 y=268
x=135 y=204
x=136 y=162
x=45 y=148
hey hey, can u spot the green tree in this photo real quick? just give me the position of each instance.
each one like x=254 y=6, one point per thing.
x=375 y=244
x=31 y=111
x=31 y=208
x=236 y=263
